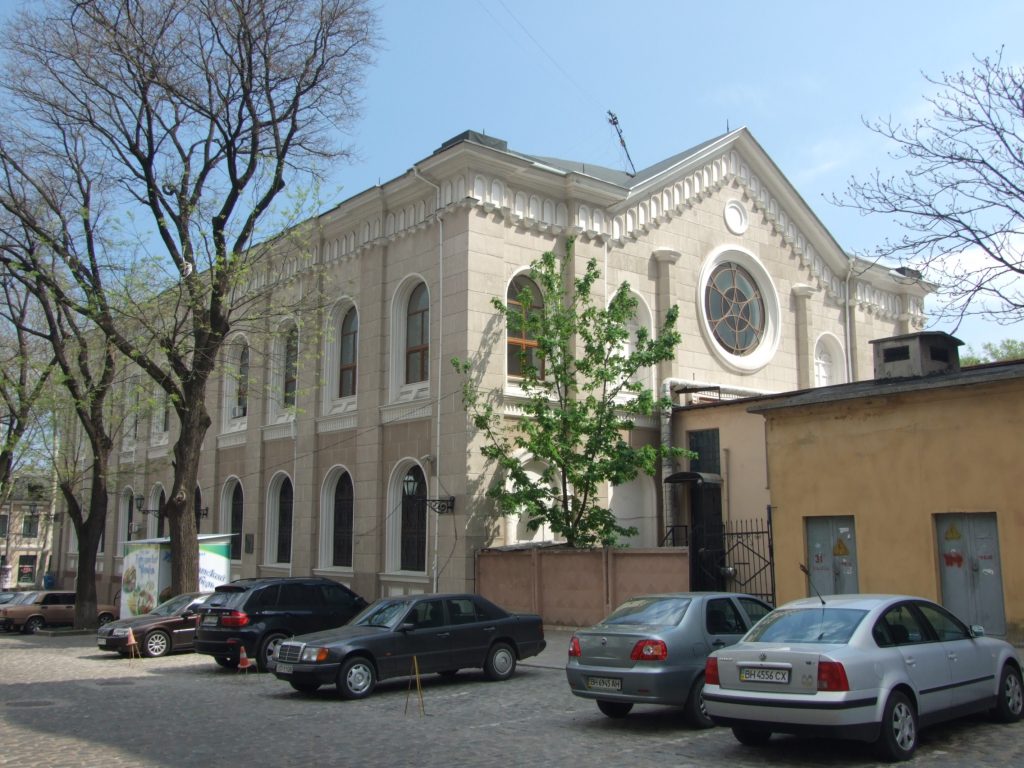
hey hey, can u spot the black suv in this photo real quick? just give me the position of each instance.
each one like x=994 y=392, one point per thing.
x=260 y=613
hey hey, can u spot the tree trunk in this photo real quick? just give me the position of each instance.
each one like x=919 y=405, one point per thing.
x=89 y=531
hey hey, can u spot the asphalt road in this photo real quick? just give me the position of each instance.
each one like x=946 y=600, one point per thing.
x=65 y=703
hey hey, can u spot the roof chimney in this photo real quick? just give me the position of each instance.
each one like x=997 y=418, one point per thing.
x=916 y=354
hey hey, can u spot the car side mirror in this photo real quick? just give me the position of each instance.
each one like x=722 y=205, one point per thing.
x=406 y=626
x=977 y=630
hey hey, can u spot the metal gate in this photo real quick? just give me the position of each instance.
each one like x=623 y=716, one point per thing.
x=734 y=556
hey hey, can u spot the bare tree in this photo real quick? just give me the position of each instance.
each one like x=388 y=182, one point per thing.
x=25 y=368
x=178 y=123
x=960 y=199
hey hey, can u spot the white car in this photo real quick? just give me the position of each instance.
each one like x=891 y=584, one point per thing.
x=867 y=667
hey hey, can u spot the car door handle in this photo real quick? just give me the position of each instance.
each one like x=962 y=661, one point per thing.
x=444 y=634
x=951 y=657
x=909 y=661
x=489 y=629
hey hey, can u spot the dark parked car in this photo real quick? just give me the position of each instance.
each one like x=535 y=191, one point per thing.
x=171 y=626
x=257 y=614
x=443 y=633
x=652 y=649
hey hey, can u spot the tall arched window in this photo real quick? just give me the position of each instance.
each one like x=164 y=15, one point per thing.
x=347 y=358
x=523 y=301
x=161 y=518
x=197 y=506
x=128 y=505
x=414 y=521
x=290 y=367
x=237 y=504
x=417 y=336
x=341 y=548
x=242 y=391
x=285 y=499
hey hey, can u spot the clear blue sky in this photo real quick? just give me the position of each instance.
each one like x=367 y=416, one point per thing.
x=542 y=74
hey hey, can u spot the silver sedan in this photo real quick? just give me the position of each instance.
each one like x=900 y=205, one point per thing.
x=652 y=648
x=867 y=667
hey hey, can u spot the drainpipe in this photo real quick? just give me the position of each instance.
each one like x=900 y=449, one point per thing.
x=666 y=441
x=847 y=357
x=440 y=337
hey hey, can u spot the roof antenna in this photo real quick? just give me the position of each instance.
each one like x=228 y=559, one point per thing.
x=614 y=120
x=811 y=582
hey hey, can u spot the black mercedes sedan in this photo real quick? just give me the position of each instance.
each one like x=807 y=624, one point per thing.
x=410 y=635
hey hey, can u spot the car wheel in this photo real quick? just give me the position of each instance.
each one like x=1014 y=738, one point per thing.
x=104 y=618
x=356 y=678
x=157 y=643
x=228 y=662
x=696 y=712
x=750 y=737
x=615 y=709
x=1010 y=701
x=897 y=739
x=304 y=687
x=33 y=625
x=267 y=648
x=501 y=662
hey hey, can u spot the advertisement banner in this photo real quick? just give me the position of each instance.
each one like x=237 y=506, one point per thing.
x=146 y=577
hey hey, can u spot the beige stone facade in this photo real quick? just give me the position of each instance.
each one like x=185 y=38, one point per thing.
x=459 y=226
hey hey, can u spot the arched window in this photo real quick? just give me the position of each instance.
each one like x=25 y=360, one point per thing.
x=417 y=336
x=285 y=500
x=161 y=518
x=197 y=506
x=347 y=358
x=290 y=367
x=524 y=300
x=242 y=391
x=414 y=521
x=128 y=511
x=341 y=546
x=237 y=504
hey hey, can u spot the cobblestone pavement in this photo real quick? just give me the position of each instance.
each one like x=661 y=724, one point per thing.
x=65 y=703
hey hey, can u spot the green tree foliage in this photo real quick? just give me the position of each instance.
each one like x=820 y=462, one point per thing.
x=1007 y=349
x=581 y=397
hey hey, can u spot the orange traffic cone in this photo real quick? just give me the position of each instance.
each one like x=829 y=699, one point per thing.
x=132 y=645
x=244 y=662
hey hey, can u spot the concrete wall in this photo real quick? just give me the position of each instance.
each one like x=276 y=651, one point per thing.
x=577 y=588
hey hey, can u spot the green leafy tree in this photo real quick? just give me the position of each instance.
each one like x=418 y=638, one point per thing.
x=1007 y=349
x=582 y=394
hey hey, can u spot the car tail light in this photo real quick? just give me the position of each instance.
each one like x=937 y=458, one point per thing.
x=832 y=676
x=649 y=650
x=234 y=619
x=711 y=672
x=574 y=647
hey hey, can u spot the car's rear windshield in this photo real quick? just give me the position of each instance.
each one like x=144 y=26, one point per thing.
x=650 y=611
x=227 y=598
x=807 y=625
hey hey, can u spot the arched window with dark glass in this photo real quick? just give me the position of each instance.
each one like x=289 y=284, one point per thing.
x=524 y=301
x=414 y=521
x=130 y=511
x=242 y=392
x=237 y=503
x=197 y=506
x=347 y=359
x=290 y=367
x=417 y=336
x=285 y=498
x=343 y=503
x=160 y=516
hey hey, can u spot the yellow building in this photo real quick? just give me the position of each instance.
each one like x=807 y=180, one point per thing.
x=905 y=483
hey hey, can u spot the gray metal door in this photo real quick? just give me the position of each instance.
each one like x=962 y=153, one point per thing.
x=832 y=555
x=971 y=577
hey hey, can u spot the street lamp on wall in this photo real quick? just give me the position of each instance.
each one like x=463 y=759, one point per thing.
x=441 y=506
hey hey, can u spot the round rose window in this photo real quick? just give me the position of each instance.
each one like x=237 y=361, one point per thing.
x=735 y=309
